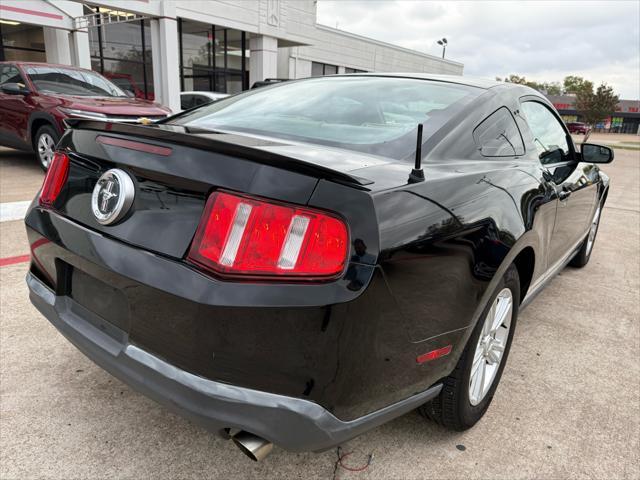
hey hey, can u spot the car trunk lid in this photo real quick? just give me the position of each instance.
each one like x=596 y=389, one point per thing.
x=173 y=173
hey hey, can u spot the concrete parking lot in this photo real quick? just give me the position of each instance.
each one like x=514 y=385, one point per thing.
x=568 y=405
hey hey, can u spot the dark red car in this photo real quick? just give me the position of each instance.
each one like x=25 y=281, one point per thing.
x=36 y=98
x=127 y=83
x=578 y=127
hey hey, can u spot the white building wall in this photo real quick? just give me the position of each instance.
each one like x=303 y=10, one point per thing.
x=166 y=70
x=263 y=62
x=57 y=46
x=336 y=47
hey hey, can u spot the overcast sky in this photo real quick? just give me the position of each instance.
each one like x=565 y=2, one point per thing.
x=544 y=41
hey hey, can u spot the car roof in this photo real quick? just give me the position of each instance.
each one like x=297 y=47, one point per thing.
x=45 y=64
x=478 y=82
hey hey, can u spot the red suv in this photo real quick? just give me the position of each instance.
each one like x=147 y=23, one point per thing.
x=35 y=98
x=578 y=127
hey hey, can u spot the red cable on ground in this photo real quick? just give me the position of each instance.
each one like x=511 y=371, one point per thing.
x=353 y=469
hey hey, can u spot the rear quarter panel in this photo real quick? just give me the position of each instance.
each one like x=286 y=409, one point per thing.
x=446 y=242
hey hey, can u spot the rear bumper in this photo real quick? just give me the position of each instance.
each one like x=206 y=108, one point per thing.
x=294 y=424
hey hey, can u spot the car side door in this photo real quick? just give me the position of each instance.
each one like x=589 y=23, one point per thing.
x=574 y=182
x=14 y=110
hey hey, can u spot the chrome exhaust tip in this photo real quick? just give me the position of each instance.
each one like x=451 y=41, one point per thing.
x=254 y=447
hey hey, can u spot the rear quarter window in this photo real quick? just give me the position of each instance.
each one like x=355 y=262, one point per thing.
x=498 y=135
x=186 y=102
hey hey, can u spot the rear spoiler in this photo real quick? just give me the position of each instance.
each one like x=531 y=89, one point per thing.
x=181 y=136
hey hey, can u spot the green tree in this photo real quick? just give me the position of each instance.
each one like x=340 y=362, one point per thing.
x=516 y=79
x=552 y=88
x=574 y=84
x=595 y=106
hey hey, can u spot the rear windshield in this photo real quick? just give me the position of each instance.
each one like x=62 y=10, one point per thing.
x=376 y=115
x=68 y=81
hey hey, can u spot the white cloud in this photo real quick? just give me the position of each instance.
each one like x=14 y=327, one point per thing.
x=544 y=41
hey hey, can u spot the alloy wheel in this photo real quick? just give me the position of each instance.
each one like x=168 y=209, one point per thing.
x=46 y=146
x=491 y=345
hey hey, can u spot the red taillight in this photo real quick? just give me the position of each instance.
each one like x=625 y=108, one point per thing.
x=55 y=179
x=239 y=235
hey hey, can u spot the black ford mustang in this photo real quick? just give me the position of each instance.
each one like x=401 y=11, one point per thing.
x=300 y=263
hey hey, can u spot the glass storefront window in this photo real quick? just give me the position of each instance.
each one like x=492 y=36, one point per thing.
x=220 y=43
x=197 y=45
x=330 y=69
x=129 y=76
x=22 y=43
x=213 y=58
x=317 y=69
x=122 y=41
x=320 y=69
x=122 y=53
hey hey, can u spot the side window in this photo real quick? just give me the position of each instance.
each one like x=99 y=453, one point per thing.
x=200 y=100
x=549 y=136
x=498 y=135
x=10 y=74
x=186 y=102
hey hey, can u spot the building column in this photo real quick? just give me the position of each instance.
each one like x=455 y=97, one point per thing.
x=263 y=62
x=166 y=70
x=57 y=46
x=80 y=52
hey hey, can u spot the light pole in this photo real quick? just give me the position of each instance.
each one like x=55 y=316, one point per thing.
x=443 y=42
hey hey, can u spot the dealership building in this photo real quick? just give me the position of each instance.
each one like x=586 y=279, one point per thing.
x=157 y=48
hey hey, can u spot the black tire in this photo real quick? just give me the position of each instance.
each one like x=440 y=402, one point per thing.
x=44 y=132
x=453 y=408
x=584 y=254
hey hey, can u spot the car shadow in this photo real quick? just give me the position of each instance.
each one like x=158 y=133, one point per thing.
x=18 y=157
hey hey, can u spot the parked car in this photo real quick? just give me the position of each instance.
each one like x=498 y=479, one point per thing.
x=300 y=264
x=578 y=127
x=197 y=98
x=128 y=83
x=36 y=99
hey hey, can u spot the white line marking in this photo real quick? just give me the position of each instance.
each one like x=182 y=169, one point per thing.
x=10 y=211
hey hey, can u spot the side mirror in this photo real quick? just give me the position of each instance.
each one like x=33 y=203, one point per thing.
x=592 y=153
x=14 y=89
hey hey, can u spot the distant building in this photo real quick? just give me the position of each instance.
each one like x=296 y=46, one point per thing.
x=626 y=118
x=155 y=49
